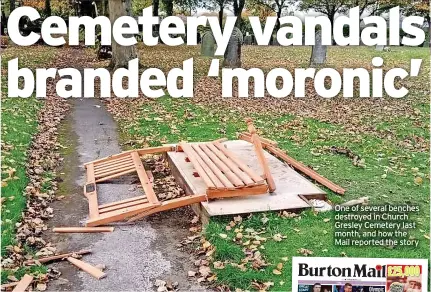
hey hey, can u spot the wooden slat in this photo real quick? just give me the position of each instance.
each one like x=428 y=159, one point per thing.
x=171 y=204
x=239 y=163
x=235 y=180
x=115 y=175
x=57 y=257
x=145 y=182
x=122 y=202
x=112 y=162
x=232 y=166
x=93 y=271
x=248 y=191
x=115 y=166
x=114 y=171
x=139 y=151
x=121 y=206
x=82 y=229
x=23 y=283
x=190 y=153
x=306 y=170
x=261 y=156
x=119 y=215
x=93 y=205
x=111 y=157
x=226 y=182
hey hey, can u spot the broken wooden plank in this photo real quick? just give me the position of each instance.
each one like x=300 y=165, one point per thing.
x=122 y=206
x=23 y=283
x=121 y=202
x=82 y=229
x=197 y=165
x=261 y=156
x=306 y=170
x=119 y=215
x=217 y=172
x=93 y=271
x=145 y=182
x=239 y=163
x=90 y=191
x=57 y=257
x=247 y=191
x=232 y=166
x=171 y=204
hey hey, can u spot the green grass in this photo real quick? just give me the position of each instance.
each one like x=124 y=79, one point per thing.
x=171 y=120
x=18 y=126
x=391 y=136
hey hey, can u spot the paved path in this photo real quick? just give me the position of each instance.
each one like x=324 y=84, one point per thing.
x=135 y=255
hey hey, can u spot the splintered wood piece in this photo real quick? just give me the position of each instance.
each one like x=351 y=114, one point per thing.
x=23 y=284
x=90 y=191
x=115 y=175
x=119 y=215
x=247 y=191
x=235 y=169
x=238 y=162
x=93 y=271
x=57 y=257
x=121 y=202
x=82 y=229
x=145 y=182
x=171 y=204
x=122 y=206
x=306 y=170
x=190 y=153
x=261 y=156
x=217 y=172
x=222 y=162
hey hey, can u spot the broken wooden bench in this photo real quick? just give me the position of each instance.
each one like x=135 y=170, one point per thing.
x=224 y=174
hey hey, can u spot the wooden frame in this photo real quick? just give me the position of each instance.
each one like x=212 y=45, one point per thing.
x=272 y=148
x=112 y=167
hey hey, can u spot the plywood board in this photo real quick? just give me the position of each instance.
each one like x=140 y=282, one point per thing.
x=290 y=184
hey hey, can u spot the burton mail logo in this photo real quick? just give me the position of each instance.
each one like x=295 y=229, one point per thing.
x=357 y=271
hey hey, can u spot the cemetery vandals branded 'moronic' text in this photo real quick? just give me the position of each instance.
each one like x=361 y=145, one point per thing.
x=154 y=82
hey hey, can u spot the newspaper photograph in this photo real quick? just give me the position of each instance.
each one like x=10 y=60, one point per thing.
x=317 y=274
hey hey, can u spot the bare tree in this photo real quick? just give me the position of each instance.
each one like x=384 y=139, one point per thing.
x=238 y=6
x=121 y=55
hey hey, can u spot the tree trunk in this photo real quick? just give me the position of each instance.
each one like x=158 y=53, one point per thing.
x=156 y=13
x=11 y=5
x=48 y=7
x=238 y=6
x=169 y=7
x=121 y=55
x=220 y=16
x=278 y=25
